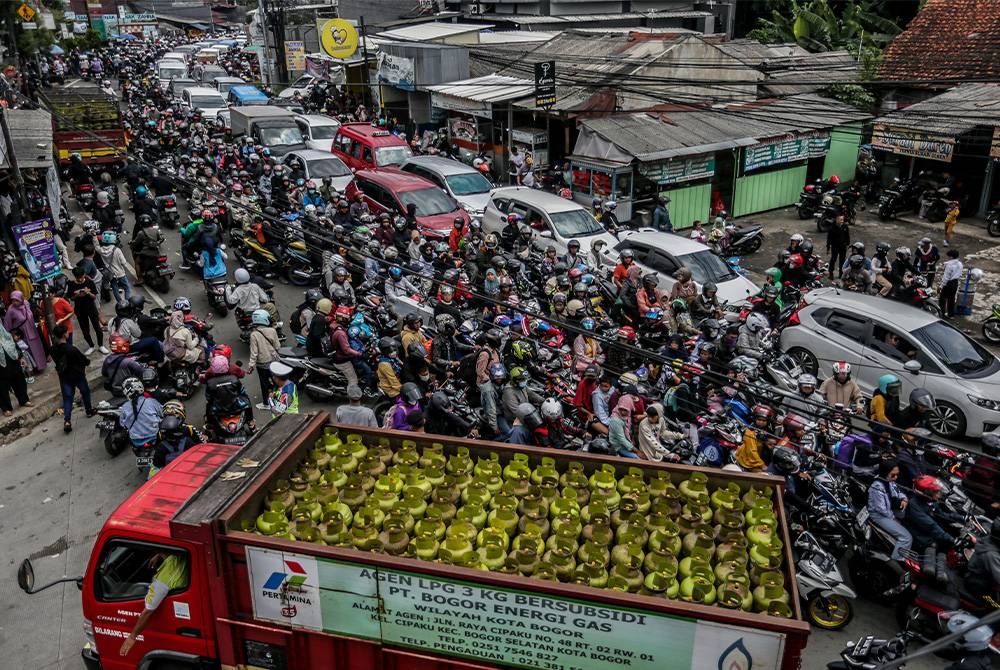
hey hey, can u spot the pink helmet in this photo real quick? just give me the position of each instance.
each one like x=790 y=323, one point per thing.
x=219 y=365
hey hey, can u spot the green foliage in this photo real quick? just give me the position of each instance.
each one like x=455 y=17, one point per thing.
x=816 y=26
x=86 y=42
x=852 y=94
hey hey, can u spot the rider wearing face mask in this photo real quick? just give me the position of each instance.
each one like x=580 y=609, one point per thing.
x=516 y=392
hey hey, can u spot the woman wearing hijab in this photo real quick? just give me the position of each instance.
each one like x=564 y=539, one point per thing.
x=620 y=428
x=11 y=374
x=180 y=344
x=20 y=320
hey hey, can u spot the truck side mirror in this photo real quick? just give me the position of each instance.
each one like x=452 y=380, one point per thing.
x=26 y=579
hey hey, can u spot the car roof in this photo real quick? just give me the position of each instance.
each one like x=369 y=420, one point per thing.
x=395 y=180
x=247 y=89
x=312 y=155
x=318 y=119
x=203 y=90
x=227 y=79
x=367 y=130
x=904 y=316
x=675 y=244
x=550 y=202
x=444 y=166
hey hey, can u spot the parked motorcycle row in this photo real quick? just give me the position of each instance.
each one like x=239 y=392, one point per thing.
x=486 y=335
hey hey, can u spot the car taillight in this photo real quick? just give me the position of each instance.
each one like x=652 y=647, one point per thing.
x=793 y=319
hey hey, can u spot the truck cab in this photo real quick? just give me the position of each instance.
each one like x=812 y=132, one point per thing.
x=130 y=549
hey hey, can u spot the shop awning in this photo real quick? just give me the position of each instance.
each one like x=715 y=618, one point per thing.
x=198 y=26
x=477 y=96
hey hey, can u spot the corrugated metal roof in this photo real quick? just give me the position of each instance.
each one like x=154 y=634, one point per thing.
x=807 y=111
x=526 y=20
x=31 y=134
x=754 y=53
x=491 y=88
x=952 y=113
x=493 y=39
x=423 y=32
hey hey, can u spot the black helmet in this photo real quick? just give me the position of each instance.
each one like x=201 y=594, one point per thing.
x=922 y=398
x=498 y=262
x=150 y=378
x=650 y=280
x=411 y=319
x=313 y=296
x=783 y=256
x=770 y=292
x=806 y=247
x=416 y=350
x=529 y=416
x=857 y=261
x=709 y=287
x=172 y=426
x=858 y=248
x=882 y=248
x=410 y=392
x=388 y=346
x=494 y=338
x=144 y=220
x=600 y=445
x=137 y=302
x=710 y=328
x=786 y=460
x=123 y=309
x=560 y=268
x=440 y=401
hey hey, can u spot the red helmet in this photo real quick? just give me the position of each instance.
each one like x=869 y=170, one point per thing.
x=809 y=188
x=834 y=179
x=575 y=274
x=928 y=486
x=119 y=344
x=793 y=422
x=222 y=350
x=628 y=332
x=763 y=411
x=795 y=261
x=343 y=312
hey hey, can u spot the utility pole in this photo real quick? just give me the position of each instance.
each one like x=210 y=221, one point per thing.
x=366 y=96
x=274 y=15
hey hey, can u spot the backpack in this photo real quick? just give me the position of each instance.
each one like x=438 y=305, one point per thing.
x=387 y=417
x=629 y=296
x=467 y=367
x=295 y=321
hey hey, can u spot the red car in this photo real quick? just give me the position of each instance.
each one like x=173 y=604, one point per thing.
x=363 y=146
x=391 y=191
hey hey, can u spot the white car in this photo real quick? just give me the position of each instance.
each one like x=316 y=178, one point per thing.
x=462 y=182
x=320 y=164
x=555 y=220
x=208 y=100
x=664 y=253
x=879 y=336
x=318 y=129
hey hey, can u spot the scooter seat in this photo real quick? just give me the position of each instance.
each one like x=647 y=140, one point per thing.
x=292 y=352
x=937 y=598
x=323 y=362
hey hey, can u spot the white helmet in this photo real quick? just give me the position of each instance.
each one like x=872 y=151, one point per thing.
x=133 y=388
x=756 y=322
x=797 y=238
x=551 y=409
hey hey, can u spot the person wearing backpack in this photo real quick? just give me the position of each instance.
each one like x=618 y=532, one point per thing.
x=264 y=344
x=389 y=368
x=225 y=395
x=302 y=316
x=318 y=341
x=119 y=366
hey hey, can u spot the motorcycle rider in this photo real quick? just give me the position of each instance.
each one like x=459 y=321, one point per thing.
x=247 y=296
x=397 y=285
x=443 y=420
x=857 y=278
x=923 y=517
x=750 y=341
x=840 y=389
x=754 y=452
x=407 y=402
x=193 y=236
x=918 y=411
x=926 y=260
x=103 y=213
x=887 y=505
x=119 y=366
x=318 y=342
x=806 y=401
x=975 y=641
x=706 y=305
x=347 y=360
x=882 y=268
x=146 y=245
x=514 y=393
x=900 y=267
x=786 y=463
x=982 y=577
x=264 y=345
x=144 y=205
x=225 y=396
x=173 y=439
x=389 y=367
x=141 y=415
x=79 y=171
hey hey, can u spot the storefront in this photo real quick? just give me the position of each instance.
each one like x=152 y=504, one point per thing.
x=773 y=171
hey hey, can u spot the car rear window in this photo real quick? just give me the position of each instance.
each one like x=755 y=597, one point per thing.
x=429 y=201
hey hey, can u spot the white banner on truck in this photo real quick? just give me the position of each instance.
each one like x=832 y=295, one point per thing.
x=516 y=628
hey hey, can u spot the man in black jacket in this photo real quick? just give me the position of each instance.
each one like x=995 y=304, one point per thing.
x=71 y=366
x=838 y=239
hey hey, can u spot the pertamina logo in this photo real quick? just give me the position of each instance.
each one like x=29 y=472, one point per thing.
x=289 y=587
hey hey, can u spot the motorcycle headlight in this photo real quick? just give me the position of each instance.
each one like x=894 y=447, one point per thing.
x=985 y=403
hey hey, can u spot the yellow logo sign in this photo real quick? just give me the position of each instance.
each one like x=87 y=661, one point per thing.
x=26 y=12
x=339 y=38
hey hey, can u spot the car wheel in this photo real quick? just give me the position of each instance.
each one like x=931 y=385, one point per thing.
x=805 y=359
x=947 y=420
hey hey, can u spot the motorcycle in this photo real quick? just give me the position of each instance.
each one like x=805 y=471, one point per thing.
x=993 y=221
x=84 y=193
x=215 y=290
x=166 y=206
x=143 y=456
x=991 y=326
x=158 y=274
x=745 y=240
x=809 y=200
x=112 y=433
x=923 y=298
x=229 y=427
x=185 y=378
x=318 y=378
x=821 y=586
x=871 y=652
x=828 y=211
x=937 y=202
x=900 y=196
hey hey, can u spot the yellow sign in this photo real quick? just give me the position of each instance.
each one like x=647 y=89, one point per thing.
x=295 y=55
x=26 y=12
x=339 y=38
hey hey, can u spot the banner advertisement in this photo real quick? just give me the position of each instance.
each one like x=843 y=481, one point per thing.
x=338 y=37
x=501 y=626
x=396 y=71
x=913 y=143
x=37 y=247
x=679 y=170
x=778 y=152
x=295 y=55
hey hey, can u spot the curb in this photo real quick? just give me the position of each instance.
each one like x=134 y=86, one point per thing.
x=47 y=404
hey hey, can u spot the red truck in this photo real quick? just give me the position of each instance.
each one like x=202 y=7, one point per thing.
x=257 y=601
x=87 y=122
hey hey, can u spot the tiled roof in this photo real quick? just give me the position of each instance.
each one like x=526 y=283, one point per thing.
x=948 y=39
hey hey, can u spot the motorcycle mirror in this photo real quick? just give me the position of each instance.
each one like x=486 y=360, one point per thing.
x=912 y=367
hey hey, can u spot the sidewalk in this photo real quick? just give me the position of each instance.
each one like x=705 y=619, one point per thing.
x=46 y=396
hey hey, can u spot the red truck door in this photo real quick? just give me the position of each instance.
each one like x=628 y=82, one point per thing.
x=120 y=590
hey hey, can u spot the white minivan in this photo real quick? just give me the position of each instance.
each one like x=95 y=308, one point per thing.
x=208 y=100
x=170 y=69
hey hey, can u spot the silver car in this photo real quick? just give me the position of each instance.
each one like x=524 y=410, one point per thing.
x=462 y=182
x=320 y=164
x=879 y=336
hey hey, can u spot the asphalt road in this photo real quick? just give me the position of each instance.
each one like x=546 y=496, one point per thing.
x=57 y=490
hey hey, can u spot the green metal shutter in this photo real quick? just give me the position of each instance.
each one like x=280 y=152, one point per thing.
x=843 y=157
x=768 y=190
x=689 y=204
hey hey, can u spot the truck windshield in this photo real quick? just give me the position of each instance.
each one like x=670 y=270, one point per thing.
x=392 y=155
x=279 y=136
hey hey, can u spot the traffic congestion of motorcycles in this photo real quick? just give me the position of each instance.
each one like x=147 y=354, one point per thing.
x=487 y=328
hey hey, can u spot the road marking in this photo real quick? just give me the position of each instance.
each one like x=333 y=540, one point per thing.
x=152 y=294
x=73 y=83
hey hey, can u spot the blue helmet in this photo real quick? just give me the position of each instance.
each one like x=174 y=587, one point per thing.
x=587 y=323
x=502 y=321
x=887 y=381
x=395 y=272
x=140 y=190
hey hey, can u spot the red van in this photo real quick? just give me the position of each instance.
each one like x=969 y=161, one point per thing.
x=391 y=191
x=363 y=146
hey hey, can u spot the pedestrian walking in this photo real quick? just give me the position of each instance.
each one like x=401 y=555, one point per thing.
x=19 y=320
x=12 y=379
x=838 y=239
x=661 y=215
x=71 y=366
x=83 y=292
x=949 y=283
x=950 y=219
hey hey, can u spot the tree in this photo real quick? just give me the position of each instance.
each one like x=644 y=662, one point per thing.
x=816 y=26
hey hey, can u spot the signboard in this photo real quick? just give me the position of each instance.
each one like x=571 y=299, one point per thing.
x=339 y=38
x=500 y=626
x=995 y=144
x=545 y=83
x=464 y=105
x=777 y=152
x=26 y=12
x=37 y=247
x=679 y=169
x=396 y=71
x=295 y=55
x=912 y=143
